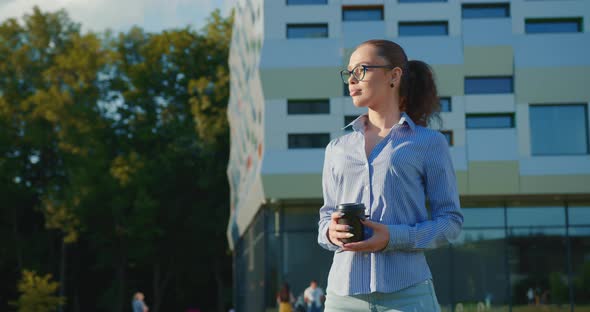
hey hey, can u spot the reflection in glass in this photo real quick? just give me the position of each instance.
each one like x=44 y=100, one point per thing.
x=550 y=135
x=579 y=215
x=486 y=10
x=423 y=28
x=536 y=216
x=362 y=14
x=489 y=121
x=580 y=247
x=302 y=107
x=479 y=267
x=483 y=217
x=538 y=269
x=445 y=104
x=559 y=25
x=307 y=31
x=488 y=85
x=305 y=2
x=308 y=140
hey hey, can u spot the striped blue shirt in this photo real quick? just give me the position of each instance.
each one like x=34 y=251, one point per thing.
x=410 y=164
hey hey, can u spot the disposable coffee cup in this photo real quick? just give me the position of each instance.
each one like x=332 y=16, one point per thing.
x=353 y=213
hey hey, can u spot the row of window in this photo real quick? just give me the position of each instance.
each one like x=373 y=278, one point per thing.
x=555 y=129
x=431 y=28
x=478 y=85
x=473 y=85
x=307 y=2
x=322 y=106
x=468 y=10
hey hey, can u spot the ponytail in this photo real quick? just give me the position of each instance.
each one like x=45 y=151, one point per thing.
x=418 y=93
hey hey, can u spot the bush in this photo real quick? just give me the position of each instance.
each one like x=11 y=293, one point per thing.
x=37 y=293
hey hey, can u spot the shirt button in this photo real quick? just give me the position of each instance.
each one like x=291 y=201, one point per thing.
x=366 y=188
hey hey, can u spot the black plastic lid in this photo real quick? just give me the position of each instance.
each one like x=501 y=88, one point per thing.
x=357 y=208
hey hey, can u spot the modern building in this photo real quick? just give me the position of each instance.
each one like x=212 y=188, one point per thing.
x=514 y=86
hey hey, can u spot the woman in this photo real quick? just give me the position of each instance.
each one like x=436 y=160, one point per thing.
x=285 y=299
x=391 y=163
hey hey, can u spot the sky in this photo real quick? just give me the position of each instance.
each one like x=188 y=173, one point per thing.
x=120 y=15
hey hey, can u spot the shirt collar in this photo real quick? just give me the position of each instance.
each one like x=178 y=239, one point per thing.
x=359 y=123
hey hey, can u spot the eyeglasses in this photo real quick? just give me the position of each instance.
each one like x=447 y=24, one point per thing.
x=359 y=72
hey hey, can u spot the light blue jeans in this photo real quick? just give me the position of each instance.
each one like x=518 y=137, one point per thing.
x=417 y=298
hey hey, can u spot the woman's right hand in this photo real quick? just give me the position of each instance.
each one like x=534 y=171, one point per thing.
x=337 y=231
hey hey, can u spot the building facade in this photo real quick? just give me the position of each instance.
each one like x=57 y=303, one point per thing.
x=514 y=85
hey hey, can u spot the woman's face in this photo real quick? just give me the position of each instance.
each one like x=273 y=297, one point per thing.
x=375 y=87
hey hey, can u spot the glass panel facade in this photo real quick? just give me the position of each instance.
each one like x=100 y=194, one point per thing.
x=580 y=248
x=497 y=263
x=295 y=31
x=362 y=13
x=250 y=268
x=579 y=215
x=423 y=28
x=308 y=140
x=559 y=129
x=562 y=25
x=489 y=121
x=488 y=85
x=479 y=264
x=300 y=107
x=483 y=217
x=486 y=10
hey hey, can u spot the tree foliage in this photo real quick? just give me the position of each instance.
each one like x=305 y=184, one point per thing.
x=116 y=146
x=37 y=293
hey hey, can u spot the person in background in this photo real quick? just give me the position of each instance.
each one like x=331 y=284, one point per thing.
x=314 y=297
x=138 y=304
x=285 y=299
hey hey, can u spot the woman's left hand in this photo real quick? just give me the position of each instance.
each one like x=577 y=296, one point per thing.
x=376 y=243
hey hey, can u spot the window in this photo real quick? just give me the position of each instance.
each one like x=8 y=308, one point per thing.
x=307 y=31
x=489 y=121
x=552 y=25
x=347 y=120
x=559 y=129
x=420 y=1
x=298 y=107
x=302 y=2
x=486 y=10
x=423 y=28
x=445 y=104
x=362 y=13
x=308 y=140
x=487 y=85
x=448 y=135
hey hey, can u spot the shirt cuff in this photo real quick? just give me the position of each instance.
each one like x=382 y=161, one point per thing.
x=401 y=236
x=323 y=239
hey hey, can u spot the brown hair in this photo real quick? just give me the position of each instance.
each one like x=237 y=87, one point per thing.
x=418 y=94
x=285 y=293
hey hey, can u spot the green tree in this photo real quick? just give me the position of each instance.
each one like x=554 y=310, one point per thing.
x=117 y=147
x=37 y=293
